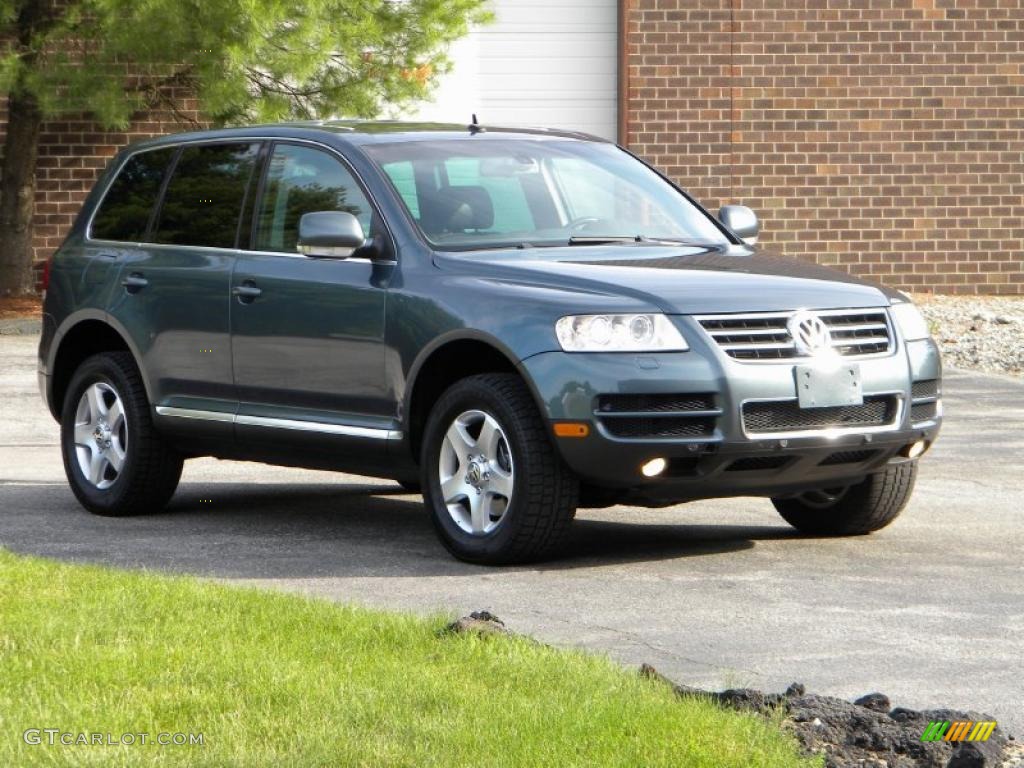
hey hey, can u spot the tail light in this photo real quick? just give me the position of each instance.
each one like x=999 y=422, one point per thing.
x=44 y=276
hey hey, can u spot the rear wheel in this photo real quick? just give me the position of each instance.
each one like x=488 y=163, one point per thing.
x=852 y=510
x=115 y=461
x=497 y=490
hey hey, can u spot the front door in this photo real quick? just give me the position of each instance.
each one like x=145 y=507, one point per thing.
x=308 y=332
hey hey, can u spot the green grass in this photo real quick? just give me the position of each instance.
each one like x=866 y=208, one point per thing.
x=273 y=679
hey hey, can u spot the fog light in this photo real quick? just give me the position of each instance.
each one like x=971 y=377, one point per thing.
x=654 y=467
x=914 y=450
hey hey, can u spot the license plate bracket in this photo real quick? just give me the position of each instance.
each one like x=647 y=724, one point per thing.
x=818 y=387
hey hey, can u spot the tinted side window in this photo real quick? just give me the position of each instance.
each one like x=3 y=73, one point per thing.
x=304 y=180
x=125 y=210
x=204 y=196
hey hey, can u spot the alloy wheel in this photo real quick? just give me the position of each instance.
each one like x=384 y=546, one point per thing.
x=101 y=435
x=476 y=472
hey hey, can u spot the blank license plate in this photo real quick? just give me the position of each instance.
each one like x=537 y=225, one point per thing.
x=824 y=388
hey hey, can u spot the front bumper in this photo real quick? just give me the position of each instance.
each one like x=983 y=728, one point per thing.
x=569 y=387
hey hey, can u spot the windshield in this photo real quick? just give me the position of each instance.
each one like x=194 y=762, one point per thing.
x=493 y=193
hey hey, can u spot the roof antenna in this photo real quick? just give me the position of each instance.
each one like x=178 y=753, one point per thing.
x=475 y=127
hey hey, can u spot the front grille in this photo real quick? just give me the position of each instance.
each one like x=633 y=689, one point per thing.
x=923 y=411
x=924 y=404
x=755 y=463
x=660 y=428
x=788 y=416
x=846 y=457
x=655 y=403
x=764 y=336
x=658 y=416
x=924 y=389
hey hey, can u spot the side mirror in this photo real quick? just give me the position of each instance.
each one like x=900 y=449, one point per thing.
x=333 y=234
x=740 y=220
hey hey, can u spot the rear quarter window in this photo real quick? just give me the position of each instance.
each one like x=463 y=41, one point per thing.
x=126 y=207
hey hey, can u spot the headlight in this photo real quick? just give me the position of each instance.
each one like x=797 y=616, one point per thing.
x=619 y=333
x=912 y=324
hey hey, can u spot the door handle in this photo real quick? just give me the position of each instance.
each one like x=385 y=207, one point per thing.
x=247 y=292
x=134 y=283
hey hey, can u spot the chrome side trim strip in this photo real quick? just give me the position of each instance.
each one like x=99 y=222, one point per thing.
x=191 y=413
x=263 y=421
x=317 y=426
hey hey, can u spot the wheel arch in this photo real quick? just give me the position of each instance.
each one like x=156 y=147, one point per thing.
x=83 y=336
x=448 y=359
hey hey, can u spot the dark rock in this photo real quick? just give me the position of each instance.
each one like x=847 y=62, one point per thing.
x=794 y=690
x=748 y=698
x=976 y=754
x=478 y=622
x=864 y=733
x=901 y=715
x=879 y=702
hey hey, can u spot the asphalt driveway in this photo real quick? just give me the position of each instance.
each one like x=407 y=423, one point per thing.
x=715 y=594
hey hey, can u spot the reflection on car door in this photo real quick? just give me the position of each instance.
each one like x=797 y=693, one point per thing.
x=308 y=333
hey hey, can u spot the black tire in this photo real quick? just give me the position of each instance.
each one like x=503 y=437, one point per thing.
x=536 y=523
x=868 y=506
x=151 y=469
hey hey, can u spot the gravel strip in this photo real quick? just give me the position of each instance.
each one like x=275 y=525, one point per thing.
x=977 y=333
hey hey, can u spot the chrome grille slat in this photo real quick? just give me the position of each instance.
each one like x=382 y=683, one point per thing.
x=860 y=340
x=750 y=332
x=754 y=337
x=842 y=328
x=757 y=345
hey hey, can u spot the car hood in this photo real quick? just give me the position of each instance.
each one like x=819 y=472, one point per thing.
x=679 y=279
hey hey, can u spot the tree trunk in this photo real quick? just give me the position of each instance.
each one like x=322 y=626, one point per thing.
x=17 y=193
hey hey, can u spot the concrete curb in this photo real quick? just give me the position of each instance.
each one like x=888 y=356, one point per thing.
x=21 y=326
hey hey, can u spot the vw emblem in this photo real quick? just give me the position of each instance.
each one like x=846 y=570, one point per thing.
x=810 y=334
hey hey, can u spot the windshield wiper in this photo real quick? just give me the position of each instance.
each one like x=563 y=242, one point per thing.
x=624 y=239
x=604 y=239
x=668 y=240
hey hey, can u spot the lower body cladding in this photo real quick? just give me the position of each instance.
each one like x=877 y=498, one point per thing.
x=669 y=427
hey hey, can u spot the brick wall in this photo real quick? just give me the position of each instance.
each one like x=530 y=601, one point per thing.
x=882 y=136
x=74 y=150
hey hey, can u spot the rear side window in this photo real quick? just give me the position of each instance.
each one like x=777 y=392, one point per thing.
x=205 y=194
x=126 y=208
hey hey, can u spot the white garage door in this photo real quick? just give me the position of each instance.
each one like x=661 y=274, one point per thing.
x=549 y=63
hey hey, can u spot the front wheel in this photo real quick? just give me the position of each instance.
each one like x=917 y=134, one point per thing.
x=497 y=490
x=852 y=510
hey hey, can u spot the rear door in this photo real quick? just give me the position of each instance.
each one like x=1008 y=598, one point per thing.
x=120 y=223
x=173 y=292
x=308 y=332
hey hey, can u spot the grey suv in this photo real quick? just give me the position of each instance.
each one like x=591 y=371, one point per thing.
x=517 y=322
